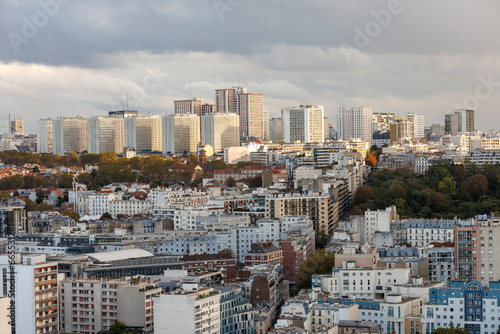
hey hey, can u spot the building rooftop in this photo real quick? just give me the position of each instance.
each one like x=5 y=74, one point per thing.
x=124 y=254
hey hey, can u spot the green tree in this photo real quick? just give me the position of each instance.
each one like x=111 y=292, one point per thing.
x=322 y=239
x=319 y=263
x=230 y=182
x=106 y=216
x=36 y=169
x=474 y=187
x=450 y=331
x=86 y=179
x=65 y=180
x=120 y=328
x=40 y=196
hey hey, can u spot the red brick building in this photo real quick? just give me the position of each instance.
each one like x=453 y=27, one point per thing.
x=222 y=262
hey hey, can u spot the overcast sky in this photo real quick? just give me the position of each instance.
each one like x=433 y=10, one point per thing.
x=63 y=58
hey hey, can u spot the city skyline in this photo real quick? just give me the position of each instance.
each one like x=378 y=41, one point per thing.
x=399 y=66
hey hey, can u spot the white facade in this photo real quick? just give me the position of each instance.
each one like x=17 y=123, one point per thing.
x=105 y=134
x=363 y=282
x=379 y=220
x=354 y=122
x=220 y=130
x=99 y=202
x=44 y=136
x=304 y=124
x=194 y=312
x=181 y=133
x=418 y=125
x=129 y=207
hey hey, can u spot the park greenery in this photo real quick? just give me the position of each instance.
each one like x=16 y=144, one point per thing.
x=446 y=191
x=154 y=170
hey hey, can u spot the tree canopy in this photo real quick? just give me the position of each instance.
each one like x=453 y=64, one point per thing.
x=445 y=191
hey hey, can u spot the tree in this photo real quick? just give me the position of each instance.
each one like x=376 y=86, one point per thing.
x=4 y=194
x=371 y=160
x=475 y=187
x=86 y=179
x=73 y=215
x=36 y=169
x=120 y=328
x=319 y=263
x=40 y=196
x=322 y=240
x=72 y=159
x=65 y=180
x=450 y=331
x=106 y=216
x=230 y=182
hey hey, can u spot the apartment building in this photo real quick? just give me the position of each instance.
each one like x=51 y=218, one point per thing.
x=421 y=232
x=276 y=130
x=466 y=304
x=44 y=135
x=354 y=122
x=441 y=264
x=459 y=121
x=36 y=296
x=69 y=134
x=144 y=133
x=220 y=130
x=129 y=207
x=318 y=207
x=183 y=311
x=377 y=220
x=181 y=133
x=357 y=282
x=89 y=306
x=475 y=252
x=105 y=134
x=303 y=124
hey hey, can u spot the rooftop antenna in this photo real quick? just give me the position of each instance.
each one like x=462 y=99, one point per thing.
x=9 y=127
x=127 y=101
x=190 y=93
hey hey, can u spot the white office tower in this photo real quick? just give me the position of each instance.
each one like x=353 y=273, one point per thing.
x=304 y=124
x=44 y=135
x=181 y=133
x=354 y=122
x=220 y=130
x=69 y=135
x=144 y=133
x=276 y=130
x=105 y=134
x=418 y=125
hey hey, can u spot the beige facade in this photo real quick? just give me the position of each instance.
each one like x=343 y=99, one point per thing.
x=17 y=127
x=70 y=135
x=105 y=134
x=220 y=130
x=251 y=111
x=189 y=106
x=304 y=124
x=319 y=208
x=181 y=133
